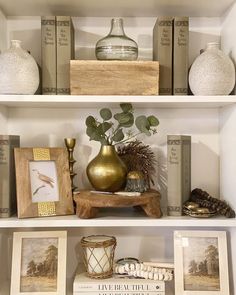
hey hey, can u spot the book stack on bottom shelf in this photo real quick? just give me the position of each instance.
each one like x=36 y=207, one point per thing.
x=116 y=285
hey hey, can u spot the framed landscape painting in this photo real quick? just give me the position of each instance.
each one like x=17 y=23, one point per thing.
x=201 y=263
x=39 y=263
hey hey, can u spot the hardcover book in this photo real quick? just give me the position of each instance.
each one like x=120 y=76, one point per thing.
x=180 y=55
x=117 y=284
x=65 y=53
x=7 y=174
x=178 y=172
x=162 y=52
x=48 y=44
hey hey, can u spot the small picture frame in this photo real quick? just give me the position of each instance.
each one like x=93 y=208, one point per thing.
x=201 y=263
x=39 y=263
x=43 y=182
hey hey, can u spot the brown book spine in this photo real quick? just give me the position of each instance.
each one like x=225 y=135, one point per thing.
x=48 y=44
x=162 y=52
x=7 y=175
x=180 y=55
x=178 y=172
x=65 y=52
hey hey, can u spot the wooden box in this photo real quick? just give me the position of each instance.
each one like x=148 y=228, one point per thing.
x=92 y=77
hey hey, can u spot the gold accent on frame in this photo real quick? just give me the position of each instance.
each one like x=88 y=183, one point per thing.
x=41 y=154
x=46 y=209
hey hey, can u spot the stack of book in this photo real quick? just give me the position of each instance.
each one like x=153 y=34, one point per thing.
x=170 y=48
x=57 y=50
x=116 y=285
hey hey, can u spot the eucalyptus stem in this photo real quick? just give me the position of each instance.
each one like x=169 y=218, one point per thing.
x=129 y=138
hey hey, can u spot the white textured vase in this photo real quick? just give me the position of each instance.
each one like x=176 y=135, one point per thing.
x=19 y=72
x=212 y=72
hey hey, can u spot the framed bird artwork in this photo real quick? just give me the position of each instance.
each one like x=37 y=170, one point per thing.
x=43 y=184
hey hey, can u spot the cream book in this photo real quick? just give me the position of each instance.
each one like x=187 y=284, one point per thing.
x=48 y=47
x=65 y=52
x=7 y=174
x=162 y=52
x=178 y=172
x=117 y=283
x=180 y=55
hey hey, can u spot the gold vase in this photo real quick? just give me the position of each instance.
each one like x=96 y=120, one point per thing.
x=107 y=172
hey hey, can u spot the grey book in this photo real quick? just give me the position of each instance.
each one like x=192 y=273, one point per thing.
x=178 y=172
x=7 y=174
x=180 y=55
x=162 y=52
x=65 y=52
x=48 y=48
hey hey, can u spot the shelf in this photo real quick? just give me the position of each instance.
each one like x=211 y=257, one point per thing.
x=73 y=101
x=120 y=221
x=115 y=8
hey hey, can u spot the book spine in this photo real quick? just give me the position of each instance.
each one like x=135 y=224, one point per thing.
x=179 y=173
x=120 y=287
x=180 y=56
x=162 y=52
x=119 y=293
x=65 y=52
x=7 y=175
x=48 y=44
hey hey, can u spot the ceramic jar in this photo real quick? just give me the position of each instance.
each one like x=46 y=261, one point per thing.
x=19 y=72
x=212 y=72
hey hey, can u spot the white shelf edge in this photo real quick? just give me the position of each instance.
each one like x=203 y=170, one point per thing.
x=75 y=222
x=88 y=101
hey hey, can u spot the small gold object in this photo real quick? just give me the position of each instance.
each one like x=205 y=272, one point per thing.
x=46 y=209
x=70 y=145
x=41 y=154
x=98 y=255
x=135 y=182
x=192 y=209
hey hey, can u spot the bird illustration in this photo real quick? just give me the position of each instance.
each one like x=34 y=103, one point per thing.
x=45 y=178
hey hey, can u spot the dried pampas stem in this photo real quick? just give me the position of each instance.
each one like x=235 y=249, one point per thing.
x=205 y=200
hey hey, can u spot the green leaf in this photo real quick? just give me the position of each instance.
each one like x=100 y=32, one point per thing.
x=103 y=127
x=122 y=118
x=153 y=121
x=130 y=122
x=93 y=134
x=143 y=125
x=106 y=114
x=90 y=121
x=119 y=135
x=126 y=107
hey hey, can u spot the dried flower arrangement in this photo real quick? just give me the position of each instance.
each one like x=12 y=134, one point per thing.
x=139 y=157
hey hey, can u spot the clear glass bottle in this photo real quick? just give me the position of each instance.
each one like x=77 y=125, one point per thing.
x=116 y=45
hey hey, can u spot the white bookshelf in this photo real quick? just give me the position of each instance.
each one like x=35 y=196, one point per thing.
x=46 y=120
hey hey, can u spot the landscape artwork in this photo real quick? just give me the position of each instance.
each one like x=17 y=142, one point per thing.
x=43 y=181
x=201 y=264
x=39 y=265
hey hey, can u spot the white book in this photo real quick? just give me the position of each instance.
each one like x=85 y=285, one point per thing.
x=119 y=293
x=117 y=284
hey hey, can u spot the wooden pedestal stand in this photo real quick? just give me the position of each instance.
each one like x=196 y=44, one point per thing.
x=88 y=203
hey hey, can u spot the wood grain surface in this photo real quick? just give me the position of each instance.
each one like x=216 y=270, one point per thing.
x=88 y=203
x=93 y=77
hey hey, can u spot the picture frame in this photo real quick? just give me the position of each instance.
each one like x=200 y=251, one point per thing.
x=201 y=263
x=43 y=183
x=39 y=263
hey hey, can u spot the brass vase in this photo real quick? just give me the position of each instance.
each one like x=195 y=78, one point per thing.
x=106 y=172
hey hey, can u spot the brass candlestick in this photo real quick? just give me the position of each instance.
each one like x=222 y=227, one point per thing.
x=70 y=144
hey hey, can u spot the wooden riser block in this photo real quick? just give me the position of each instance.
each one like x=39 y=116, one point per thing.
x=88 y=203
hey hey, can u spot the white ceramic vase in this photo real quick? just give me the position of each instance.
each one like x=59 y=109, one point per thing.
x=19 y=72
x=212 y=72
